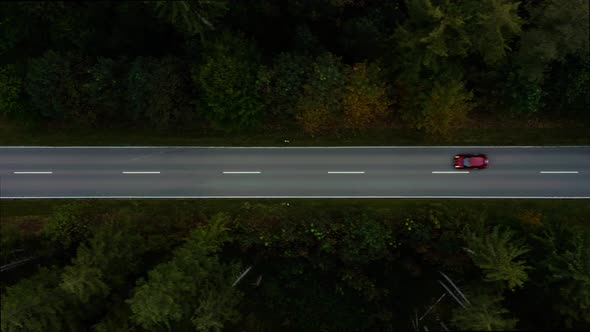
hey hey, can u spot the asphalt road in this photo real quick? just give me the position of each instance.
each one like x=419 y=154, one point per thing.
x=46 y=172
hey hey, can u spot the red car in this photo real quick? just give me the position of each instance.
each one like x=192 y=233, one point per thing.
x=468 y=160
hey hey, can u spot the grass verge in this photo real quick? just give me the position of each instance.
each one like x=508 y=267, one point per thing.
x=12 y=134
x=574 y=211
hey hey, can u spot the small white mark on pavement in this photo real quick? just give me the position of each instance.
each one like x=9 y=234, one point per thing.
x=450 y=172
x=33 y=172
x=559 y=172
x=241 y=172
x=346 y=172
x=128 y=172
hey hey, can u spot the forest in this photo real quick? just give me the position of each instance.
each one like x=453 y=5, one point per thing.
x=334 y=68
x=299 y=265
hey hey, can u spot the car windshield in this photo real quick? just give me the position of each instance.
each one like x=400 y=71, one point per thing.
x=466 y=162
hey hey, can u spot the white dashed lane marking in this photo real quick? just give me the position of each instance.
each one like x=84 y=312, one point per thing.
x=33 y=172
x=450 y=172
x=135 y=172
x=346 y=172
x=559 y=172
x=241 y=172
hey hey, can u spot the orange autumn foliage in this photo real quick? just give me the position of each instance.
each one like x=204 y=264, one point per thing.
x=365 y=102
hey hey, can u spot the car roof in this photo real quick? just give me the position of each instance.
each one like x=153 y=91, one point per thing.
x=477 y=161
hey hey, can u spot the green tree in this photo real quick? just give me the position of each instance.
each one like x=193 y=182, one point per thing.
x=565 y=264
x=158 y=91
x=558 y=28
x=195 y=286
x=442 y=31
x=578 y=88
x=110 y=256
x=83 y=281
x=215 y=308
x=34 y=304
x=281 y=85
x=227 y=80
x=19 y=245
x=45 y=81
x=363 y=38
x=495 y=253
x=11 y=29
x=69 y=225
x=54 y=85
x=431 y=34
x=305 y=41
x=170 y=96
x=137 y=90
x=320 y=105
x=10 y=238
x=494 y=24
x=26 y=28
x=117 y=319
x=521 y=96
x=429 y=45
x=191 y=16
x=10 y=91
x=567 y=89
x=365 y=239
x=485 y=313
x=438 y=109
x=103 y=90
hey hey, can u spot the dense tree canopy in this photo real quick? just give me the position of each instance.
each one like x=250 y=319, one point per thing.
x=485 y=314
x=195 y=287
x=567 y=267
x=558 y=28
x=496 y=256
x=190 y=17
x=35 y=304
x=328 y=68
x=320 y=105
x=281 y=84
x=104 y=263
x=10 y=90
x=259 y=64
x=365 y=101
x=227 y=79
x=278 y=266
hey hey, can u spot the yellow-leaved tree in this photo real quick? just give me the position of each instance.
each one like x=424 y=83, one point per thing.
x=365 y=101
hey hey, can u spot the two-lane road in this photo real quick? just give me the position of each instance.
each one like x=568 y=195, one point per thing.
x=199 y=172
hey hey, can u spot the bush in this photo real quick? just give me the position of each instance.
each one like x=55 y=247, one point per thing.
x=366 y=239
x=365 y=100
x=54 y=83
x=227 y=80
x=281 y=85
x=69 y=225
x=320 y=106
x=11 y=86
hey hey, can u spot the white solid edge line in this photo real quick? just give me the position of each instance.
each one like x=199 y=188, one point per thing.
x=285 y=197
x=33 y=172
x=298 y=147
x=559 y=172
x=241 y=172
x=345 y=172
x=149 y=172
x=450 y=172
